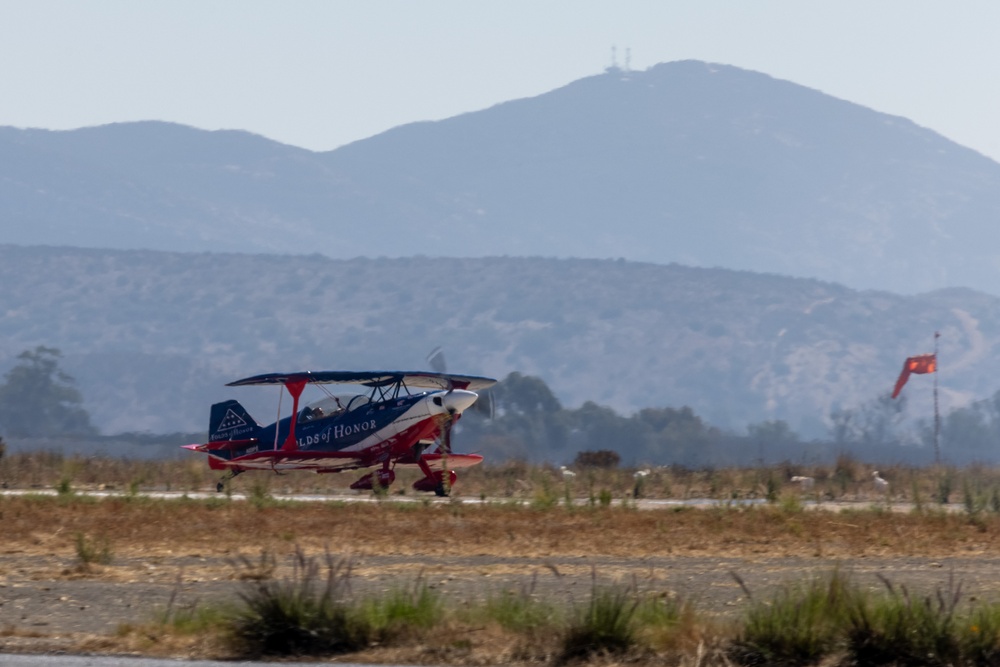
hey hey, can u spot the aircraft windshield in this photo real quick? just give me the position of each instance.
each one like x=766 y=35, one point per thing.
x=333 y=405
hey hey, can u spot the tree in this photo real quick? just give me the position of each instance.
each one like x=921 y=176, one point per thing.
x=524 y=395
x=39 y=399
x=529 y=418
x=675 y=436
x=602 y=458
x=598 y=427
x=877 y=422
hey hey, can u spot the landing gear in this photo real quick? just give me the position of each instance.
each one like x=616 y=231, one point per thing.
x=221 y=485
x=377 y=481
x=438 y=481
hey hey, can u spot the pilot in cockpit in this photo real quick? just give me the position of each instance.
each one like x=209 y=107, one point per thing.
x=309 y=414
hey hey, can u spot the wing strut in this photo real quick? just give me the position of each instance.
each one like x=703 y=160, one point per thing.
x=294 y=388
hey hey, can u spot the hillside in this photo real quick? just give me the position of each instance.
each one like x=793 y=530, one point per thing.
x=700 y=164
x=152 y=336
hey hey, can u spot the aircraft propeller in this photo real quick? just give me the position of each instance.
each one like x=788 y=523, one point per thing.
x=484 y=405
x=436 y=360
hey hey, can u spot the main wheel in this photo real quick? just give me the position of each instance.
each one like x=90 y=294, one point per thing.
x=440 y=491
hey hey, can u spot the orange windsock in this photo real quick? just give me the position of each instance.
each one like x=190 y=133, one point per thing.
x=920 y=364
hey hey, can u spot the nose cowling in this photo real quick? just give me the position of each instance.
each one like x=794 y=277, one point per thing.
x=453 y=402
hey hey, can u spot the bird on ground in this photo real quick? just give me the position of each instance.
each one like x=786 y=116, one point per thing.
x=567 y=473
x=805 y=483
x=881 y=486
x=639 y=474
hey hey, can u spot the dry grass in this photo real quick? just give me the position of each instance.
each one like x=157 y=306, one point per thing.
x=532 y=520
x=846 y=479
x=144 y=527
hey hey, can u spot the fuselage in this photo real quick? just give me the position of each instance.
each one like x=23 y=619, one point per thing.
x=343 y=435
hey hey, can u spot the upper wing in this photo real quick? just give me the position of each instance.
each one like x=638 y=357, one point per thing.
x=424 y=379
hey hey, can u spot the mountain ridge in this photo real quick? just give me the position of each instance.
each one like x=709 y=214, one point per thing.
x=153 y=336
x=689 y=162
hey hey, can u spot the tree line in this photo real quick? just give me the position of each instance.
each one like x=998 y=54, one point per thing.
x=531 y=424
x=38 y=399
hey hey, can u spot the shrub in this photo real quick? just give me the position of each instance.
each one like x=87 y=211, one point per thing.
x=605 y=626
x=901 y=630
x=92 y=551
x=980 y=636
x=546 y=495
x=402 y=612
x=669 y=622
x=520 y=611
x=193 y=619
x=302 y=615
x=602 y=458
x=798 y=625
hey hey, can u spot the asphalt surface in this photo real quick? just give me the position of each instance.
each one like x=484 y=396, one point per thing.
x=368 y=497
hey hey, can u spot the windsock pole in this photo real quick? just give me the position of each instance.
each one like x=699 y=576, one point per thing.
x=937 y=414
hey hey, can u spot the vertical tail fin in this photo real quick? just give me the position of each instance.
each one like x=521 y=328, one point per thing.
x=230 y=421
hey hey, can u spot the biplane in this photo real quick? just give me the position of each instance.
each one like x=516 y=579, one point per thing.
x=394 y=422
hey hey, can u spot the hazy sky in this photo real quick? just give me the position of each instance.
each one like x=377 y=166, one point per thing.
x=319 y=74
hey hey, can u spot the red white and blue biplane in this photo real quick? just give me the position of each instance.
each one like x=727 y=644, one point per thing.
x=393 y=425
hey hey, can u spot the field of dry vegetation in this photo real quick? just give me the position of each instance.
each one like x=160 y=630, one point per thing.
x=509 y=578
x=847 y=480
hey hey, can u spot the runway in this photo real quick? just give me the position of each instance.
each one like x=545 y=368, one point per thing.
x=368 y=497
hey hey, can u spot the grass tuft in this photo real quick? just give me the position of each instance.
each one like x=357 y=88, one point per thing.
x=93 y=551
x=403 y=612
x=521 y=611
x=305 y=614
x=798 y=625
x=605 y=626
x=904 y=630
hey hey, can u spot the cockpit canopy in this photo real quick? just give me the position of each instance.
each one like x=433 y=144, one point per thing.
x=333 y=405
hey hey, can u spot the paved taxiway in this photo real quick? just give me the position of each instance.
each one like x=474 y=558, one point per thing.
x=368 y=497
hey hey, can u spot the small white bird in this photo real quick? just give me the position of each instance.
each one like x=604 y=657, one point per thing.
x=639 y=474
x=805 y=483
x=881 y=486
x=567 y=473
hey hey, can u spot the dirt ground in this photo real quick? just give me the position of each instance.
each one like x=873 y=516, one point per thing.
x=176 y=557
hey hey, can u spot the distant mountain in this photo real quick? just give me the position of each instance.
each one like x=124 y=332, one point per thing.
x=688 y=162
x=152 y=336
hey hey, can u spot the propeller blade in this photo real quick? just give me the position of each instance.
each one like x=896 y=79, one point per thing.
x=485 y=405
x=436 y=361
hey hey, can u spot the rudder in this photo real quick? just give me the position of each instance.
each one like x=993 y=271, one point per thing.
x=230 y=421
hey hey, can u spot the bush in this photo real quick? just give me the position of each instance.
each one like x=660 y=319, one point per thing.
x=900 y=630
x=302 y=615
x=92 y=551
x=602 y=458
x=402 y=612
x=807 y=625
x=520 y=611
x=798 y=625
x=605 y=626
